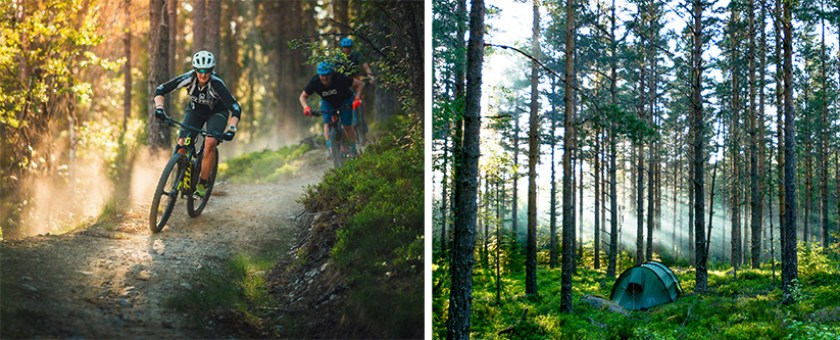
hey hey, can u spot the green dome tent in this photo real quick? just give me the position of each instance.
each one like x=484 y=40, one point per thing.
x=646 y=285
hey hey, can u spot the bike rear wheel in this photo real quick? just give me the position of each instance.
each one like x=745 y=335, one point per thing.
x=195 y=203
x=166 y=193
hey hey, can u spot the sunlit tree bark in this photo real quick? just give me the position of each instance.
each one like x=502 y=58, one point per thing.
x=458 y=324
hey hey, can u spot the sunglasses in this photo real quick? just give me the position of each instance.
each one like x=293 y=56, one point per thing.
x=204 y=70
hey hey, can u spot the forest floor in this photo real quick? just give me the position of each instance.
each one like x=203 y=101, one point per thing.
x=115 y=279
x=746 y=307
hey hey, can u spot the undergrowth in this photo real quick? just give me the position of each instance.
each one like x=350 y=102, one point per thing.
x=747 y=308
x=379 y=246
x=233 y=298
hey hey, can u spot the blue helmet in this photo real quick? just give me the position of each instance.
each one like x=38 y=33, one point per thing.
x=346 y=42
x=325 y=68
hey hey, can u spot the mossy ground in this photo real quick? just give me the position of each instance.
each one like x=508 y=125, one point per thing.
x=748 y=307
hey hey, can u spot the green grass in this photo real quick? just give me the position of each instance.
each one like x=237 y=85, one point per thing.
x=746 y=308
x=264 y=166
x=237 y=289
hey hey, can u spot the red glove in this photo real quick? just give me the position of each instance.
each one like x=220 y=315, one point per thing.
x=357 y=103
x=307 y=111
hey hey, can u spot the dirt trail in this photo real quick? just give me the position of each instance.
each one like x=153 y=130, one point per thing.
x=101 y=283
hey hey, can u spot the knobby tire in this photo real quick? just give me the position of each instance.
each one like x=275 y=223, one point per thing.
x=196 y=204
x=335 y=147
x=170 y=177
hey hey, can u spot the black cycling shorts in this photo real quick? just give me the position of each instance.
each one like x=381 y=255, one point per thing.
x=216 y=123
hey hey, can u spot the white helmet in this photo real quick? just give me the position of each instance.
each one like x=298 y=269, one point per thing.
x=203 y=59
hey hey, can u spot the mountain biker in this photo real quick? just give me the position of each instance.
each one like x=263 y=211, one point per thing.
x=206 y=91
x=336 y=94
x=352 y=65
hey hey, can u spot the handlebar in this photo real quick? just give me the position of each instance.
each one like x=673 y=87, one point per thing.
x=318 y=113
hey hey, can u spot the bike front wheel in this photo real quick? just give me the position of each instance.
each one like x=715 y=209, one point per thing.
x=335 y=147
x=166 y=193
x=195 y=203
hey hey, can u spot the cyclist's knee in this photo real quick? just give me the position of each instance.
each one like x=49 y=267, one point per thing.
x=210 y=143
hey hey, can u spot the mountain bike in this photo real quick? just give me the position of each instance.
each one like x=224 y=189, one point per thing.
x=339 y=143
x=180 y=177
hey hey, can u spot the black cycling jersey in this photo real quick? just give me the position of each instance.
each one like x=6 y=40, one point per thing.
x=352 y=65
x=203 y=99
x=336 y=94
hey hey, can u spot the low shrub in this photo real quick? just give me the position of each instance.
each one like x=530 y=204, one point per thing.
x=379 y=246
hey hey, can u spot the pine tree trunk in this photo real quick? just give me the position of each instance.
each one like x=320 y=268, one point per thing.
x=604 y=175
x=789 y=261
x=515 y=211
x=613 y=251
x=824 y=153
x=692 y=260
x=650 y=207
x=341 y=11
x=173 y=57
x=596 y=231
x=701 y=277
x=569 y=146
x=651 y=57
x=574 y=198
x=552 y=261
x=579 y=205
x=458 y=324
x=809 y=186
x=763 y=182
x=199 y=25
x=212 y=30
x=486 y=254
x=159 y=133
x=809 y=169
x=499 y=196
x=458 y=133
x=780 y=154
x=755 y=197
x=677 y=172
x=127 y=68
x=712 y=191
x=444 y=237
x=640 y=172
x=533 y=158
x=735 y=199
